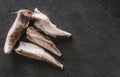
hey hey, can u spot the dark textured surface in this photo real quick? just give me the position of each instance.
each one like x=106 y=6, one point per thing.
x=93 y=51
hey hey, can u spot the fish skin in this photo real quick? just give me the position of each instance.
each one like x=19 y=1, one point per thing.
x=33 y=51
x=18 y=28
x=42 y=40
x=43 y=23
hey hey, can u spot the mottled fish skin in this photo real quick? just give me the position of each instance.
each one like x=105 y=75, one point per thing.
x=42 y=40
x=33 y=51
x=43 y=23
x=18 y=28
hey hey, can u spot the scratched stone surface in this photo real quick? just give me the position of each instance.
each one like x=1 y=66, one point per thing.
x=93 y=50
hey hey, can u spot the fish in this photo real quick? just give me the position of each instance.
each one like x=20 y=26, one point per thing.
x=43 y=23
x=18 y=28
x=42 y=40
x=36 y=52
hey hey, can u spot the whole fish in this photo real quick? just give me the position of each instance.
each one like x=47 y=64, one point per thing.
x=33 y=51
x=18 y=28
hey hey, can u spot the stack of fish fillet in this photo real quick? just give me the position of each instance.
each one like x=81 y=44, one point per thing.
x=37 y=33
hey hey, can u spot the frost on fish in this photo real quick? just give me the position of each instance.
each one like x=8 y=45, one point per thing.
x=41 y=40
x=42 y=22
x=33 y=51
x=18 y=28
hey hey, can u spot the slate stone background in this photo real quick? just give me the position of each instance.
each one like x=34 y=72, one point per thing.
x=93 y=51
